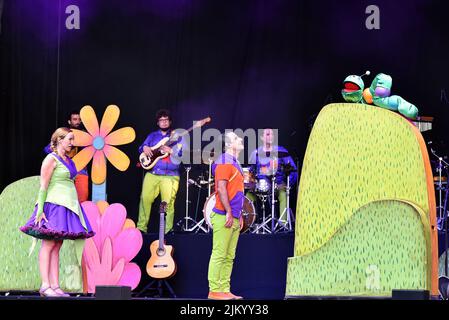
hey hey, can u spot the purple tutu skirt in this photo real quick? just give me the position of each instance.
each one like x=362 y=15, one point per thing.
x=63 y=224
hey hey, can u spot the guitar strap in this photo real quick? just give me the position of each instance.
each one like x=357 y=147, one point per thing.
x=234 y=175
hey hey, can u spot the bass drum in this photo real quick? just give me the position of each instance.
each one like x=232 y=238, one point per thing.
x=247 y=217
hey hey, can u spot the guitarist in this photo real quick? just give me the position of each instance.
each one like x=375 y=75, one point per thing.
x=225 y=218
x=163 y=178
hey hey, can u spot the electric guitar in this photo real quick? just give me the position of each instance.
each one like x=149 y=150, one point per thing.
x=161 y=264
x=147 y=162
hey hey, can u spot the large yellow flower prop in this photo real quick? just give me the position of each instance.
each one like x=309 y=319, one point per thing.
x=99 y=142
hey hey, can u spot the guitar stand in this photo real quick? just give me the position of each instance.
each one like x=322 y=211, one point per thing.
x=159 y=288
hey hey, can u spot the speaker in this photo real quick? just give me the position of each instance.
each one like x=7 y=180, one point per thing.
x=411 y=295
x=112 y=293
x=443 y=287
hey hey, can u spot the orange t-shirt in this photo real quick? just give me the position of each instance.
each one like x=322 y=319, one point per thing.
x=232 y=173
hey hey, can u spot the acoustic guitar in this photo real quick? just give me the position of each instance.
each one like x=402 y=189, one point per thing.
x=147 y=162
x=161 y=264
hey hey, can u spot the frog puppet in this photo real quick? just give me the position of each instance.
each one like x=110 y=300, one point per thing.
x=378 y=94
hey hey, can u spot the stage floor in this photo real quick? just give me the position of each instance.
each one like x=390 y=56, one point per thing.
x=260 y=266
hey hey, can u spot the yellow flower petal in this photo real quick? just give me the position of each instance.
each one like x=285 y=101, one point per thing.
x=129 y=224
x=90 y=121
x=109 y=119
x=83 y=157
x=121 y=136
x=82 y=139
x=117 y=158
x=99 y=168
x=102 y=206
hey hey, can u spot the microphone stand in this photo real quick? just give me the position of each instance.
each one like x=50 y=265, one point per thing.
x=198 y=201
x=187 y=218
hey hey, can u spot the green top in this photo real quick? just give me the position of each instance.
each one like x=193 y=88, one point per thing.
x=61 y=189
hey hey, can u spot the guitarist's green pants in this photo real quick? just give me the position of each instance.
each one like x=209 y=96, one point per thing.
x=221 y=261
x=153 y=184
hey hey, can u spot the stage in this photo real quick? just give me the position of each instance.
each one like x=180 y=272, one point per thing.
x=347 y=139
x=259 y=270
x=259 y=273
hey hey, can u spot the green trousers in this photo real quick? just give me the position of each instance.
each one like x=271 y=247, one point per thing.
x=282 y=197
x=224 y=244
x=153 y=184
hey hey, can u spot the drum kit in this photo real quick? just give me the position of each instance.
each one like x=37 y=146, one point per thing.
x=254 y=216
x=441 y=174
x=265 y=190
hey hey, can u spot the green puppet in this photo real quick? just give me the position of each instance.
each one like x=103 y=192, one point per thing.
x=353 y=88
x=378 y=94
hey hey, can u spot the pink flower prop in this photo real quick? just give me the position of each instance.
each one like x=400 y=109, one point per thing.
x=118 y=241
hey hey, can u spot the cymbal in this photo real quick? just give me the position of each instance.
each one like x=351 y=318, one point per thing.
x=287 y=168
x=283 y=154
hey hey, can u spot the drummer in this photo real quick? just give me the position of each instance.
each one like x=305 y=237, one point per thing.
x=268 y=160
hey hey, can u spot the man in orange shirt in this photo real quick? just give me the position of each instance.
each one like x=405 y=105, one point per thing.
x=225 y=217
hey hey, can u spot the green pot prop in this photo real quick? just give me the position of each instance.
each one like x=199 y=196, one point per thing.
x=365 y=219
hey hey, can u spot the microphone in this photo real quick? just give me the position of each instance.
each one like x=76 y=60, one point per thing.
x=191 y=181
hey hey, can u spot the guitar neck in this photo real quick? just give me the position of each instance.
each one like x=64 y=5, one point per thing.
x=171 y=142
x=197 y=125
x=162 y=230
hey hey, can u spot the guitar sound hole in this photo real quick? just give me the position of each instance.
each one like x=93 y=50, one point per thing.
x=160 y=252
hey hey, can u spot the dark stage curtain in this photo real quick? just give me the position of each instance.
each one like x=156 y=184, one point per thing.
x=196 y=58
x=28 y=91
x=247 y=64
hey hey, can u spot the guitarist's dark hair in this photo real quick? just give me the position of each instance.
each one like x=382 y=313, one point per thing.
x=69 y=115
x=163 y=113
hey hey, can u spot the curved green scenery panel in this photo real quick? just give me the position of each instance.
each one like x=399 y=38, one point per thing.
x=18 y=271
x=382 y=247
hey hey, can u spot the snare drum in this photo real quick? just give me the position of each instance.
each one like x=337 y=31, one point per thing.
x=263 y=186
x=248 y=179
x=247 y=217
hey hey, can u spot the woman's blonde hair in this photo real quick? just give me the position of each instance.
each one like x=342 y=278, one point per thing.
x=57 y=136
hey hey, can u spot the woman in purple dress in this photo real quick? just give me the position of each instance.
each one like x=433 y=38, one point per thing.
x=57 y=215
